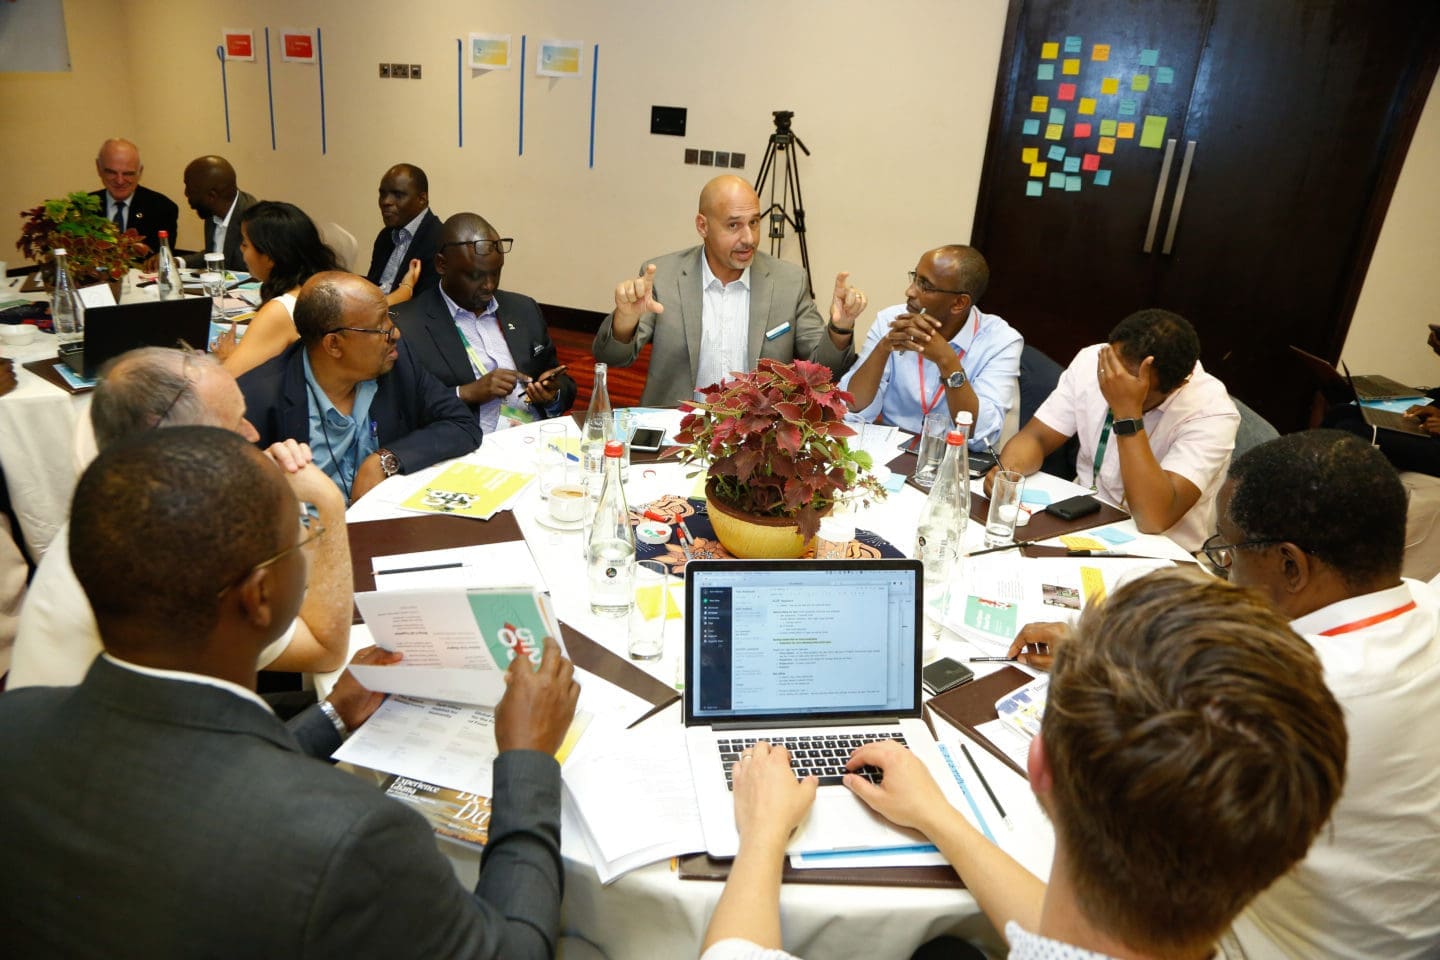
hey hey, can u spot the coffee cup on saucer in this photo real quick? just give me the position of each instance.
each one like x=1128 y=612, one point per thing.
x=567 y=502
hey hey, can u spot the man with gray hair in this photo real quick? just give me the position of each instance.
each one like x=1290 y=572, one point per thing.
x=128 y=204
x=160 y=387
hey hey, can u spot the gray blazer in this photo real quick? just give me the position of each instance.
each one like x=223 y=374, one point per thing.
x=157 y=818
x=777 y=294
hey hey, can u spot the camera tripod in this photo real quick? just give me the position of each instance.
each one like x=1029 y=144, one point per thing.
x=780 y=142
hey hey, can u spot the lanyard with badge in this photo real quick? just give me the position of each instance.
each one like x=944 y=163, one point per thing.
x=925 y=408
x=1368 y=621
x=510 y=414
x=1100 y=446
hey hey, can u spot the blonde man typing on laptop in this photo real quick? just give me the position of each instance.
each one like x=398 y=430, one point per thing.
x=1189 y=754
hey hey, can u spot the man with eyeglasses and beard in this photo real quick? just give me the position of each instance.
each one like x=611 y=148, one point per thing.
x=352 y=389
x=937 y=349
x=489 y=344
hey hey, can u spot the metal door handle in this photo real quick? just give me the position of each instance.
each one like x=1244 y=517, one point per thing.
x=1159 y=197
x=1179 y=196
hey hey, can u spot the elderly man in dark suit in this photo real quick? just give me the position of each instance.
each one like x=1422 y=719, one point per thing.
x=211 y=192
x=719 y=307
x=491 y=345
x=160 y=810
x=353 y=391
x=411 y=231
x=130 y=205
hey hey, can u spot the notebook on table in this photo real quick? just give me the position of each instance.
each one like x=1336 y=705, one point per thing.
x=819 y=655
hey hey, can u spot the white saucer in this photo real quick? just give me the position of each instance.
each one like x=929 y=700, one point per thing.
x=564 y=526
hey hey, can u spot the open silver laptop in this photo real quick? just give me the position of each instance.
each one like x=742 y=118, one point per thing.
x=820 y=655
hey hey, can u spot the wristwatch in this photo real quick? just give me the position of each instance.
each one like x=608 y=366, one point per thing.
x=389 y=463
x=1125 y=428
x=957 y=379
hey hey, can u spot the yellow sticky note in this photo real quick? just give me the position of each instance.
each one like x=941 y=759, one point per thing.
x=1037 y=169
x=1053 y=131
x=1039 y=104
x=1071 y=67
x=1153 y=132
x=1049 y=51
x=697 y=489
x=1092 y=584
x=1087 y=105
x=1126 y=131
x=1029 y=154
x=1075 y=541
x=1141 y=82
x=1101 y=52
x=1107 y=145
x=648 y=600
x=1110 y=85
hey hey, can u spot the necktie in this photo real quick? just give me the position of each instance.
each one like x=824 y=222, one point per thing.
x=392 y=267
x=120 y=215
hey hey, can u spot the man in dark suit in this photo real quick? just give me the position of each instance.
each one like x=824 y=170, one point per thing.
x=411 y=231
x=362 y=401
x=719 y=307
x=127 y=203
x=488 y=343
x=166 y=813
x=211 y=192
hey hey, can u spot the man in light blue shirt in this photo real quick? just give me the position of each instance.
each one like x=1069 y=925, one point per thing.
x=937 y=349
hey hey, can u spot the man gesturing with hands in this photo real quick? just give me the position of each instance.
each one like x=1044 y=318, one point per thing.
x=719 y=307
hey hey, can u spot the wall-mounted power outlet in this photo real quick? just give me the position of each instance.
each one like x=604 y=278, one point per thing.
x=384 y=71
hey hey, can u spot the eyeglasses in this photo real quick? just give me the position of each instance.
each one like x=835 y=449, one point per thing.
x=483 y=247
x=187 y=354
x=927 y=287
x=1223 y=554
x=390 y=333
x=311 y=529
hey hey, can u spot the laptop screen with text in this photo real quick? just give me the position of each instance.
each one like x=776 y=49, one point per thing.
x=785 y=641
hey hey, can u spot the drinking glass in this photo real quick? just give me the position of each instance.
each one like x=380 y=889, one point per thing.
x=649 y=611
x=1004 y=508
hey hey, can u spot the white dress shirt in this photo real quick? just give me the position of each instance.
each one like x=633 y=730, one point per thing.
x=724 y=326
x=487 y=346
x=222 y=225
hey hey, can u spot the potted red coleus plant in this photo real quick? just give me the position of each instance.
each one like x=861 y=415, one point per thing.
x=98 y=251
x=774 y=441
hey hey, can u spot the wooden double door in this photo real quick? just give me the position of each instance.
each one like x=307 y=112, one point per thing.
x=1231 y=160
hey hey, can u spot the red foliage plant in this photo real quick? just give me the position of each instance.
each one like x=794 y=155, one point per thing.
x=774 y=439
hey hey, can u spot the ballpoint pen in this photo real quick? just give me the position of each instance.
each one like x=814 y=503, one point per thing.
x=986 y=784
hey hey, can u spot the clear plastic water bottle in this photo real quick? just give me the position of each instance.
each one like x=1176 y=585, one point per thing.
x=610 y=549
x=965 y=426
x=65 y=309
x=168 y=275
x=596 y=432
x=940 y=532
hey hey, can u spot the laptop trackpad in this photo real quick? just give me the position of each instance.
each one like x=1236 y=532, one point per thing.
x=841 y=821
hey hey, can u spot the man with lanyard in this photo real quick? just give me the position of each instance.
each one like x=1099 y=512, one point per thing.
x=969 y=358
x=362 y=401
x=1156 y=431
x=489 y=344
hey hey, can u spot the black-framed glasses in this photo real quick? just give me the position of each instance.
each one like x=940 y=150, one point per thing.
x=927 y=287
x=483 y=247
x=390 y=333
x=1223 y=554
x=187 y=354
x=311 y=529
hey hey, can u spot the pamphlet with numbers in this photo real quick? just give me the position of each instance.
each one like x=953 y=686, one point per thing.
x=457 y=643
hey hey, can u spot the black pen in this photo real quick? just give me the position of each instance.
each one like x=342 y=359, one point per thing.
x=986 y=784
x=437 y=566
x=993 y=455
x=992 y=659
x=1103 y=553
x=1008 y=546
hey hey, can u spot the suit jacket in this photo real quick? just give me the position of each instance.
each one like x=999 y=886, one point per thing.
x=778 y=293
x=424 y=245
x=148 y=212
x=233 y=259
x=416 y=416
x=428 y=328
x=165 y=818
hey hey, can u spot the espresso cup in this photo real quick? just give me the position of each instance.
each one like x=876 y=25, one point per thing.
x=567 y=502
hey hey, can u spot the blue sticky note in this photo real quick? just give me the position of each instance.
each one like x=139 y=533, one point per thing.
x=1033 y=188
x=1102 y=178
x=1111 y=536
x=1148 y=58
x=1072 y=164
x=1057 y=181
x=1072 y=44
x=1072 y=184
x=1127 y=108
x=1035 y=498
x=1031 y=128
x=1056 y=153
x=1057 y=115
x=1164 y=75
x=1046 y=71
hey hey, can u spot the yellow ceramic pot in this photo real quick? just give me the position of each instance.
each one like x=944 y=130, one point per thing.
x=751 y=537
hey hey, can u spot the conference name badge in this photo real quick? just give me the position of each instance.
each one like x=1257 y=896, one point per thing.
x=779 y=331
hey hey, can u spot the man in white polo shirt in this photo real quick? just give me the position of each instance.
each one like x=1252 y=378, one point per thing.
x=1156 y=431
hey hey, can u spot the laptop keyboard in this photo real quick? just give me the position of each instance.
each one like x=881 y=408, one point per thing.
x=824 y=755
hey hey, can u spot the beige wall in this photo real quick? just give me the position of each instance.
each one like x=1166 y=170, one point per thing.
x=893 y=101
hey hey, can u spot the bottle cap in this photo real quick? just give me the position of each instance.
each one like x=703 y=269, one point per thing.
x=954 y=438
x=964 y=418
x=59 y=252
x=164 y=234
x=614 y=448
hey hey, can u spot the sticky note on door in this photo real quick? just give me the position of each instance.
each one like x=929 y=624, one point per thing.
x=1053 y=131
x=1066 y=92
x=1148 y=58
x=1153 y=132
x=1057 y=181
x=1071 y=68
x=1046 y=71
x=1107 y=145
x=1049 y=51
x=1164 y=75
x=1033 y=188
x=1056 y=153
x=1125 y=131
x=1039 y=104
x=1110 y=85
x=1031 y=127
x=1087 y=105
x=1037 y=169
x=1140 y=82
x=1029 y=154
x=1082 y=130
x=1072 y=164
x=1107 y=128
x=1100 y=52
x=1102 y=178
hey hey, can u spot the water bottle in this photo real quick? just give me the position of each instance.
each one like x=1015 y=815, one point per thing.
x=965 y=426
x=168 y=275
x=65 y=309
x=940 y=532
x=596 y=432
x=610 y=549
